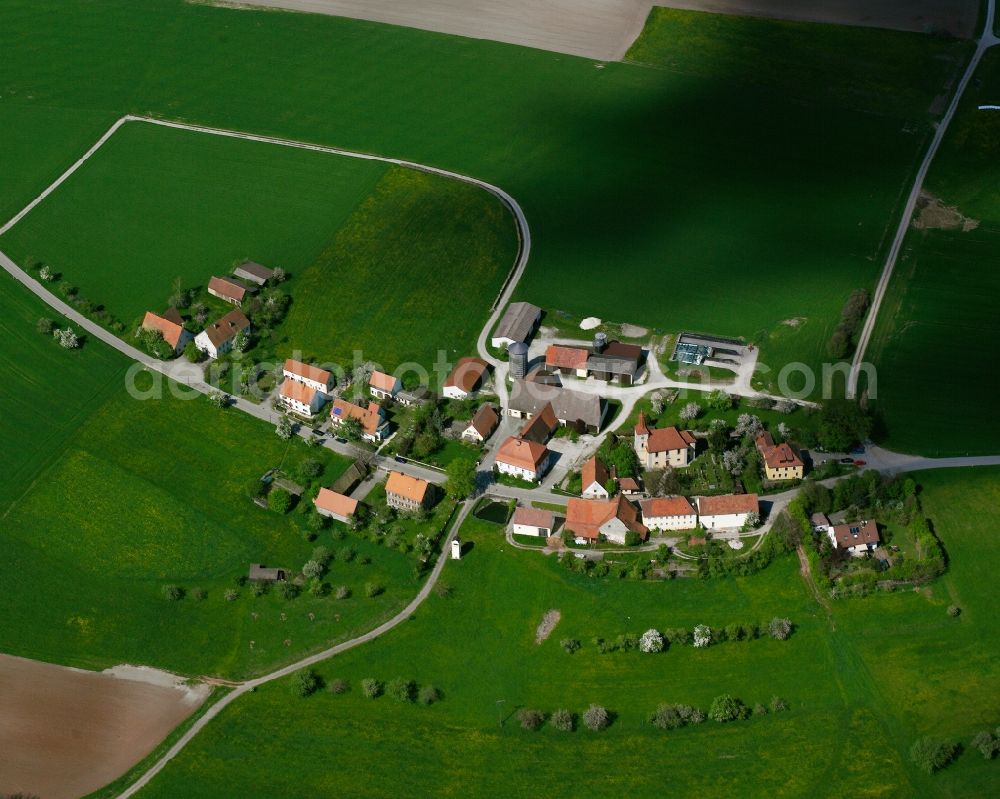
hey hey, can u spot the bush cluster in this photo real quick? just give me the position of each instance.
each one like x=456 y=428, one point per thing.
x=401 y=689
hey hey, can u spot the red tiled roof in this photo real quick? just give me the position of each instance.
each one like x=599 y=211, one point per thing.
x=380 y=381
x=856 y=534
x=726 y=504
x=559 y=357
x=534 y=517
x=299 y=392
x=307 y=371
x=370 y=418
x=468 y=372
x=584 y=517
x=777 y=456
x=522 y=454
x=412 y=488
x=666 y=506
x=640 y=428
x=170 y=328
x=667 y=439
x=628 y=484
x=594 y=471
x=485 y=421
x=336 y=503
x=227 y=288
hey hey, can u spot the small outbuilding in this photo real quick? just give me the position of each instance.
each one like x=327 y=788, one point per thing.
x=259 y=573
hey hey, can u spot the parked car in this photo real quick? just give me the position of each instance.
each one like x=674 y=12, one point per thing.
x=848 y=461
x=400 y=460
x=341 y=440
x=858 y=450
x=860 y=463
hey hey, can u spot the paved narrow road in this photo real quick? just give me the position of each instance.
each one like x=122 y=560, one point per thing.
x=306 y=662
x=986 y=41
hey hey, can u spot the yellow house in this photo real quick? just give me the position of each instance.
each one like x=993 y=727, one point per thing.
x=781 y=461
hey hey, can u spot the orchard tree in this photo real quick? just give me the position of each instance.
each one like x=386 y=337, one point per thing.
x=283 y=429
x=690 y=412
x=596 y=718
x=702 y=636
x=651 y=641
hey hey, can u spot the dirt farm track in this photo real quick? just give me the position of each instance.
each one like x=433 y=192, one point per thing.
x=66 y=732
x=604 y=29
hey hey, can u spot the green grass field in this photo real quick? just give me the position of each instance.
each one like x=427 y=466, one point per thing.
x=417 y=245
x=862 y=682
x=111 y=498
x=938 y=321
x=360 y=239
x=765 y=202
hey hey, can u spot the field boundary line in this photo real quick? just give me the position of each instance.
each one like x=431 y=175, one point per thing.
x=986 y=40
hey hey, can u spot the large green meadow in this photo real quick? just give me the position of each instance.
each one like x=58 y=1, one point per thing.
x=720 y=188
x=863 y=680
x=360 y=239
x=934 y=344
x=107 y=499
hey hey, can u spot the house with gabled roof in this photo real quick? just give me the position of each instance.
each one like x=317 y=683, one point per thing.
x=228 y=290
x=527 y=460
x=319 y=379
x=781 y=461
x=407 y=493
x=594 y=479
x=217 y=339
x=301 y=398
x=612 y=518
x=533 y=521
x=466 y=378
x=541 y=426
x=170 y=325
x=669 y=513
x=374 y=426
x=857 y=538
x=383 y=386
x=482 y=425
x=660 y=447
x=726 y=512
x=335 y=506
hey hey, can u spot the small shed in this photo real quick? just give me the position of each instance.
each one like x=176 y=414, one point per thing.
x=254 y=272
x=261 y=574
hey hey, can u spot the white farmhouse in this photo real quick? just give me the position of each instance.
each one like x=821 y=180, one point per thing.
x=726 y=512
x=669 y=513
x=217 y=339
x=533 y=521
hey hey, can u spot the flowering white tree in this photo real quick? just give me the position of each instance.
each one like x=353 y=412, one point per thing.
x=748 y=424
x=45 y=273
x=690 y=411
x=651 y=641
x=753 y=520
x=780 y=629
x=67 y=338
x=283 y=430
x=702 y=636
x=733 y=461
x=785 y=406
x=783 y=430
x=218 y=399
x=656 y=402
x=278 y=275
x=242 y=341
